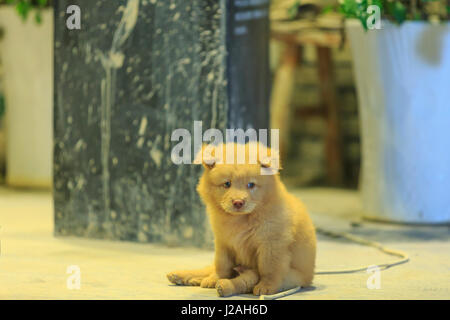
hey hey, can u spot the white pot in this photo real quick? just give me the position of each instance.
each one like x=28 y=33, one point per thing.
x=403 y=83
x=26 y=51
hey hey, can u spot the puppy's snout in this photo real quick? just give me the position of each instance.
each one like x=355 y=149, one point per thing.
x=238 y=203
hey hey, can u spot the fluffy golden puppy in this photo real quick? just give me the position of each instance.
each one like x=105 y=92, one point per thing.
x=265 y=241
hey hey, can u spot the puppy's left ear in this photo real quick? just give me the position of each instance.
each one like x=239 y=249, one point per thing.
x=271 y=163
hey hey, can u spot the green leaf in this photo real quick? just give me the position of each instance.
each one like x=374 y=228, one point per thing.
x=293 y=10
x=23 y=8
x=38 y=17
x=399 y=12
x=42 y=3
x=417 y=16
x=327 y=9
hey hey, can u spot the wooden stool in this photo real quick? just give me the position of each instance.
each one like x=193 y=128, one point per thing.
x=295 y=36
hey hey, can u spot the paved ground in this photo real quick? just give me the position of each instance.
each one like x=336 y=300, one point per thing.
x=33 y=263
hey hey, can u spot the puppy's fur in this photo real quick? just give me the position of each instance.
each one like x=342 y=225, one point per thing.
x=265 y=246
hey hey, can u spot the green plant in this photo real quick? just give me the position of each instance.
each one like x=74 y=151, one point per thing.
x=24 y=7
x=397 y=10
x=293 y=10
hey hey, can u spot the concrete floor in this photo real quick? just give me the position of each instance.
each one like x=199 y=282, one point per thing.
x=33 y=263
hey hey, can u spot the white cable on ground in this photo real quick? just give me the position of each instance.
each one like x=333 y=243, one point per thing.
x=280 y=294
x=402 y=255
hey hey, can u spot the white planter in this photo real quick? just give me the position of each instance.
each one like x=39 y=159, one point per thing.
x=26 y=51
x=403 y=83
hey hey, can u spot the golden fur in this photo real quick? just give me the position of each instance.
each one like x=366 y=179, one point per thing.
x=265 y=246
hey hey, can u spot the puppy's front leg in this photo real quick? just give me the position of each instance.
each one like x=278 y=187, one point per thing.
x=273 y=263
x=223 y=268
x=243 y=283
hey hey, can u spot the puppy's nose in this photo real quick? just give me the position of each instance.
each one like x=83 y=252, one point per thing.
x=238 y=203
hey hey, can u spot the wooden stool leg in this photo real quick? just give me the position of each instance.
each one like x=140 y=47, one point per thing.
x=333 y=138
x=281 y=98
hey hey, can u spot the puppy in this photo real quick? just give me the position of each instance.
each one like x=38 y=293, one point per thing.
x=265 y=241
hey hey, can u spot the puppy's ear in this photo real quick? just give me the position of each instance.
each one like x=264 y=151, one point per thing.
x=209 y=156
x=266 y=164
x=209 y=163
x=269 y=160
x=206 y=156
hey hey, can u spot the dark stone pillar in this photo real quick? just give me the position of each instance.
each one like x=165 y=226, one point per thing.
x=134 y=72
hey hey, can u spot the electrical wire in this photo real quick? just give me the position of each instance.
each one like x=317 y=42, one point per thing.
x=402 y=255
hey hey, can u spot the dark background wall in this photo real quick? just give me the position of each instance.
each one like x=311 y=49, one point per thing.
x=136 y=71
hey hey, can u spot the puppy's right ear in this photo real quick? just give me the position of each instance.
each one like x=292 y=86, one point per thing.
x=209 y=163
x=210 y=153
x=206 y=156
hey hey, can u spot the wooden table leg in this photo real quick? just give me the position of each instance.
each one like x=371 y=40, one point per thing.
x=333 y=137
x=281 y=98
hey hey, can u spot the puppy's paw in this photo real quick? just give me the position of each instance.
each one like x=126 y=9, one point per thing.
x=210 y=281
x=194 y=281
x=225 y=288
x=175 y=278
x=264 y=288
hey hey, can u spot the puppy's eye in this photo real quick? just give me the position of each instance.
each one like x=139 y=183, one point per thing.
x=250 y=185
x=227 y=184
